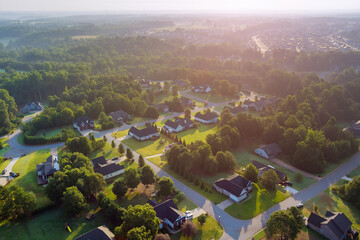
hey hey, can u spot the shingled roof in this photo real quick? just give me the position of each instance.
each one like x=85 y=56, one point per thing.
x=142 y=132
x=184 y=122
x=271 y=149
x=167 y=210
x=105 y=167
x=99 y=233
x=234 y=184
x=207 y=116
x=263 y=167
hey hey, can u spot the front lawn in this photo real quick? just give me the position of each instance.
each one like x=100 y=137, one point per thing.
x=5 y=146
x=329 y=201
x=148 y=147
x=209 y=97
x=210 y=230
x=51 y=225
x=55 y=131
x=305 y=234
x=355 y=172
x=26 y=166
x=212 y=195
x=244 y=158
x=4 y=164
x=108 y=152
x=260 y=200
x=186 y=205
x=120 y=134
x=200 y=133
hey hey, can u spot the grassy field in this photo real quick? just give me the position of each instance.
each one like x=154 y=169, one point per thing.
x=51 y=225
x=4 y=164
x=108 y=152
x=149 y=147
x=329 y=201
x=20 y=139
x=305 y=234
x=243 y=158
x=199 y=133
x=185 y=205
x=120 y=134
x=5 y=145
x=213 y=196
x=209 y=97
x=259 y=201
x=26 y=166
x=210 y=230
x=55 y=131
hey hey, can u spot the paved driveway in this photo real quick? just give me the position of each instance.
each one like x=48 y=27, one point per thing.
x=225 y=204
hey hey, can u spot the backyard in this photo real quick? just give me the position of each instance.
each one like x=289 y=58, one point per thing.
x=148 y=147
x=200 y=133
x=26 y=166
x=260 y=200
x=108 y=152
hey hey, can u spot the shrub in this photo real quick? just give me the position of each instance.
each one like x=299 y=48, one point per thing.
x=298 y=177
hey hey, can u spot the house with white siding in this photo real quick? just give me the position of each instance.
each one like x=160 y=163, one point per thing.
x=107 y=168
x=178 y=125
x=207 y=118
x=237 y=188
x=268 y=151
x=148 y=133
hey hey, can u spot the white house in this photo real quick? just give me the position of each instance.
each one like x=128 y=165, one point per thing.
x=208 y=117
x=144 y=134
x=107 y=168
x=268 y=151
x=178 y=125
x=235 y=187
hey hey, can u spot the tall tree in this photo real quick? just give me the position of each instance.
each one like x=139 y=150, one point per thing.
x=119 y=189
x=147 y=175
x=132 y=179
x=74 y=201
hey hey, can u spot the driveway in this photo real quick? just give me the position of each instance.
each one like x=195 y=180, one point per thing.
x=225 y=204
x=291 y=190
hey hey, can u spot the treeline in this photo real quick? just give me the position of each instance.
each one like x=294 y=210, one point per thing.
x=8 y=113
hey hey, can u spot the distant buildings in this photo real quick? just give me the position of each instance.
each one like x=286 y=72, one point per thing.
x=32 y=107
x=148 y=133
x=107 y=168
x=168 y=213
x=235 y=110
x=259 y=105
x=180 y=124
x=46 y=169
x=201 y=89
x=83 y=123
x=334 y=226
x=268 y=151
x=235 y=187
x=99 y=233
x=187 y=102
x=208 y=117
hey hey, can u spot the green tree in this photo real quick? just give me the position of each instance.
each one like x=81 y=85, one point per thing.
x=129 y=154
x=74 y=201
x=147 y=175
x=15 y=203
x=175 y=90
x=80 y=144
x=139 y=233
x=281 y=224
x=251 y=173
x=138 y=216
x=141 y=161
x=189 y=229
x=113 y=144
x=121 y=148
x=269 y=180
x=151 y=112
x=132 y=178
x=66 y=116
x=202 y=219
x=119 y=188
x=165 y=186
x=188 y=113
x=292 y=122
x=105 y=138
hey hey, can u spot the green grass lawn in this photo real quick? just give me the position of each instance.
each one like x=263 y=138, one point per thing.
x=343 y=124
x=199 y=133
x=213 y=196
x=4 y=164
x=332 y=166
x=108 y=152
x=51 y=225
x=209 y=97
x=304 y=234
x=136 y=120
x=20 y=139
x=185 y=205
x=148 y=147
x=244 y=157
x=260 y=200
x=26 y=166
x=120 y=134
x=55 y=131
x=5 y=145
x=355 y=172
x=329 y=201
x=210 y=230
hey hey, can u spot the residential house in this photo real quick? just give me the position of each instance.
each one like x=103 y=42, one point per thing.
x=162 y=107
x=107 y=168
x=334 y=226
x=32 y=107
x=119 y=117
x=208 y=117
x=180 y=82
x=168 y=213
x=187 y=102
x=236 y=187
x=148 y=133
x=178 y=125
x=201 y=89
x=268 y=151
x=145 y=84
x=259 y=105
x=354 y=129
x=262 y=168
x=235 y=110
x=99 y=233
x=47 y=169
x=83 y=123
x=247 y=103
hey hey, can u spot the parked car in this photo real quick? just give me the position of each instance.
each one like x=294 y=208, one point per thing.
x=189 y=216
x=289 y=183
x=14 y=175
x=300 y=205
x=3 y=171
x=115 y=158
x=187 y=212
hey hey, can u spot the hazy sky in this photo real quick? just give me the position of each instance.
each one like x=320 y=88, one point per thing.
x=177 y=5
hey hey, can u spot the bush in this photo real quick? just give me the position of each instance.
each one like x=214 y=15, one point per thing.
x=298 y=177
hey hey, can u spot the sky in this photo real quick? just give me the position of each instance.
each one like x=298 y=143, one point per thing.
x=179 y=5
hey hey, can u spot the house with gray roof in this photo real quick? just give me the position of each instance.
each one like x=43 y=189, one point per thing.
x=169 y=215
x=147 y=133
x=107 y=168
x=47 y=169
x=178 y=125
x=236 y=187
x=32 y=107
x=120 y=117
x=334 y=225
x=207 y=118
x=99 y=233
x=268 y=151
x=262 y=168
